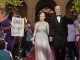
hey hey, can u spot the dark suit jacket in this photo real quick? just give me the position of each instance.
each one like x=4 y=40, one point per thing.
x=59 y=31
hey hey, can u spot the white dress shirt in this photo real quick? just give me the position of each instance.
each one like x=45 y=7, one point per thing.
x=58 y=18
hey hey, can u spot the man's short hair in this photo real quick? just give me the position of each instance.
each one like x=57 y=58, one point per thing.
x=2 y=44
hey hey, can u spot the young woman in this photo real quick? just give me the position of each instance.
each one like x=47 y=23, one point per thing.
x=40 y=39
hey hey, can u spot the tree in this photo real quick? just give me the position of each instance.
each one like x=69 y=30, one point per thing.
x=75 y=6
x=3 y=3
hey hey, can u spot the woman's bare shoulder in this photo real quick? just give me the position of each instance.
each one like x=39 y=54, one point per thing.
x=36 y=23
x=46 y=23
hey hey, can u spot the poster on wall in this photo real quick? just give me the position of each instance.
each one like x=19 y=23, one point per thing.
x=17 y=28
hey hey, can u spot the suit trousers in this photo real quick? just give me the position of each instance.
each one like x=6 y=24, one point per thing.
x=60 y=46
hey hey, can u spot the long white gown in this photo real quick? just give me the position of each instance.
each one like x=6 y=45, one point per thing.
x=42 y=47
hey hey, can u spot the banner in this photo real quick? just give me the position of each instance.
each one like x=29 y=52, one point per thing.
x=17 y=28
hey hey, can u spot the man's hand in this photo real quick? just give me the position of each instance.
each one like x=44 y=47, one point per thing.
x=50 y=39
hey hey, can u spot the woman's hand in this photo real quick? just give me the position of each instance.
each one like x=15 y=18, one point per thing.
x=33 y=42
x=77 y=38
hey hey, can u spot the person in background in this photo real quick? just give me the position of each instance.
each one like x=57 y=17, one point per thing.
x=77 y=26
x=17 y=39
x=4 y=54
x=23 y=52
x=74 y=17
x=6 y=26
x=71 y=41
x=28 y=37
x=26 y=40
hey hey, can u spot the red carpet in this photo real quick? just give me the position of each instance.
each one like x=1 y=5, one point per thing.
x=31 y=56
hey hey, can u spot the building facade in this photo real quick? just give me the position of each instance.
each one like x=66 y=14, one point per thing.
x=31 y=8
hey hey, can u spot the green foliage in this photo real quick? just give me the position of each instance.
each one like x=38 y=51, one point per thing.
x=3 y=3
x=76 y=6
